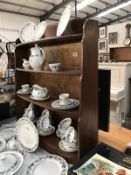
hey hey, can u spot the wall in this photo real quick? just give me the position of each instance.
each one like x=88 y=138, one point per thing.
x=10 y=25
x=121 y=33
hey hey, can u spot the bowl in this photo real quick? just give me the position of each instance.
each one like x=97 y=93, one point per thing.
x=55 y=67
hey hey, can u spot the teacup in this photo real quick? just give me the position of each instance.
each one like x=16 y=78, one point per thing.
x=70 y=135
x=64 y=99
x=39 y=92
x=25 y=87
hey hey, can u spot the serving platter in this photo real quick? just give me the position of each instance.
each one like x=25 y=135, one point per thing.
x=47 y=165
x=40 y=29
x=64 y=19
x=10 y=162
x=7 y=132
x=27 y=32
x=27 y=134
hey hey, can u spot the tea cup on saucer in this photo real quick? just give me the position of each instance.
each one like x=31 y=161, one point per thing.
x=39 y=92
x=25 y=87
x=64 y=99
x=71 y=135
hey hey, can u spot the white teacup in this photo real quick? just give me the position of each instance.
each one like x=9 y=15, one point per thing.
x=39 y=92
x=71 y=135
x=25 y=87
x=64 y=99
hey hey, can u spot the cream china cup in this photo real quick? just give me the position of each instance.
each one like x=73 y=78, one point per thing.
x=44 y=120
x=64 y=99
x=39 y=92
x=70 y=135
x=25 y=87
x=37 y=57
x=13 y=144
x=29 y=112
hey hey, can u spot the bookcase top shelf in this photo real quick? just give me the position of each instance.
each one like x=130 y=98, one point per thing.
x=50 y=41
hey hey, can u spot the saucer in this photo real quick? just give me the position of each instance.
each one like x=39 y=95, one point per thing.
x=21 y=92
x=47 y=132
x=39 y=98
x=67 y=147
x=69 y=102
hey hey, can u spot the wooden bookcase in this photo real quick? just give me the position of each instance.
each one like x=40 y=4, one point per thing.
x=78 y=54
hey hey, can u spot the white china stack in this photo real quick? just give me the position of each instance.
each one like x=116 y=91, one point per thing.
x=44 y=125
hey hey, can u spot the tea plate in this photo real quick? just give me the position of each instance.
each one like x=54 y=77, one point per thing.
x=55 y=104
x=7 y=133
x=64 y=19
x=39 y=99
x=10 y=162
x=27 y=32
x=50 y=130
x=47 y=165
x=27 y=134
x=40 y=29
x=67 y=148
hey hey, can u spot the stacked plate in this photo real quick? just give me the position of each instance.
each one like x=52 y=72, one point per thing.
x=73 y=103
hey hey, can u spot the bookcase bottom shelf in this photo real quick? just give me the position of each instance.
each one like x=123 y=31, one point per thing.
x=50 y=144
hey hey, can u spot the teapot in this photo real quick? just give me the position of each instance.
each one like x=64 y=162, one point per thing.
x=37 y=57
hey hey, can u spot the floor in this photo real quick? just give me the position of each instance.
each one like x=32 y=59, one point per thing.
x=28 y=157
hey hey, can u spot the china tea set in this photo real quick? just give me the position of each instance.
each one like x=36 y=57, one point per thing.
x=37 y=59
x=37 y=92
x=68 y=135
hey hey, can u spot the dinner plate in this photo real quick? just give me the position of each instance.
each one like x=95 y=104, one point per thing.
x=55 y=104
x=27 y=134
x=40 y=30
x=39 y=99
x=64 y=19
x=7 y=132
x=48 y=165
x=10 y=162
x=27 y=32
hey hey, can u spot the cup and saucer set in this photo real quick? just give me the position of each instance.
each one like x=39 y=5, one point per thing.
x=65 y=103
x=25 y=89
x=68 y=135
x=44 y=124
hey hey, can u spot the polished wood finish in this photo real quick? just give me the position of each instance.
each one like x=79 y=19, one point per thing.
x=120 y=54
x=78 y=76
x=117 y=137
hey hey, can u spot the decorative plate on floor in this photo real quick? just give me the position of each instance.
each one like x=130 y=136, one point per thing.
x=27 y=134
x=7 y=132
x=40 y=30
x=74 y=104
x=10 y=162
x=27 y=32
x=64 y=19
x=48 y=165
